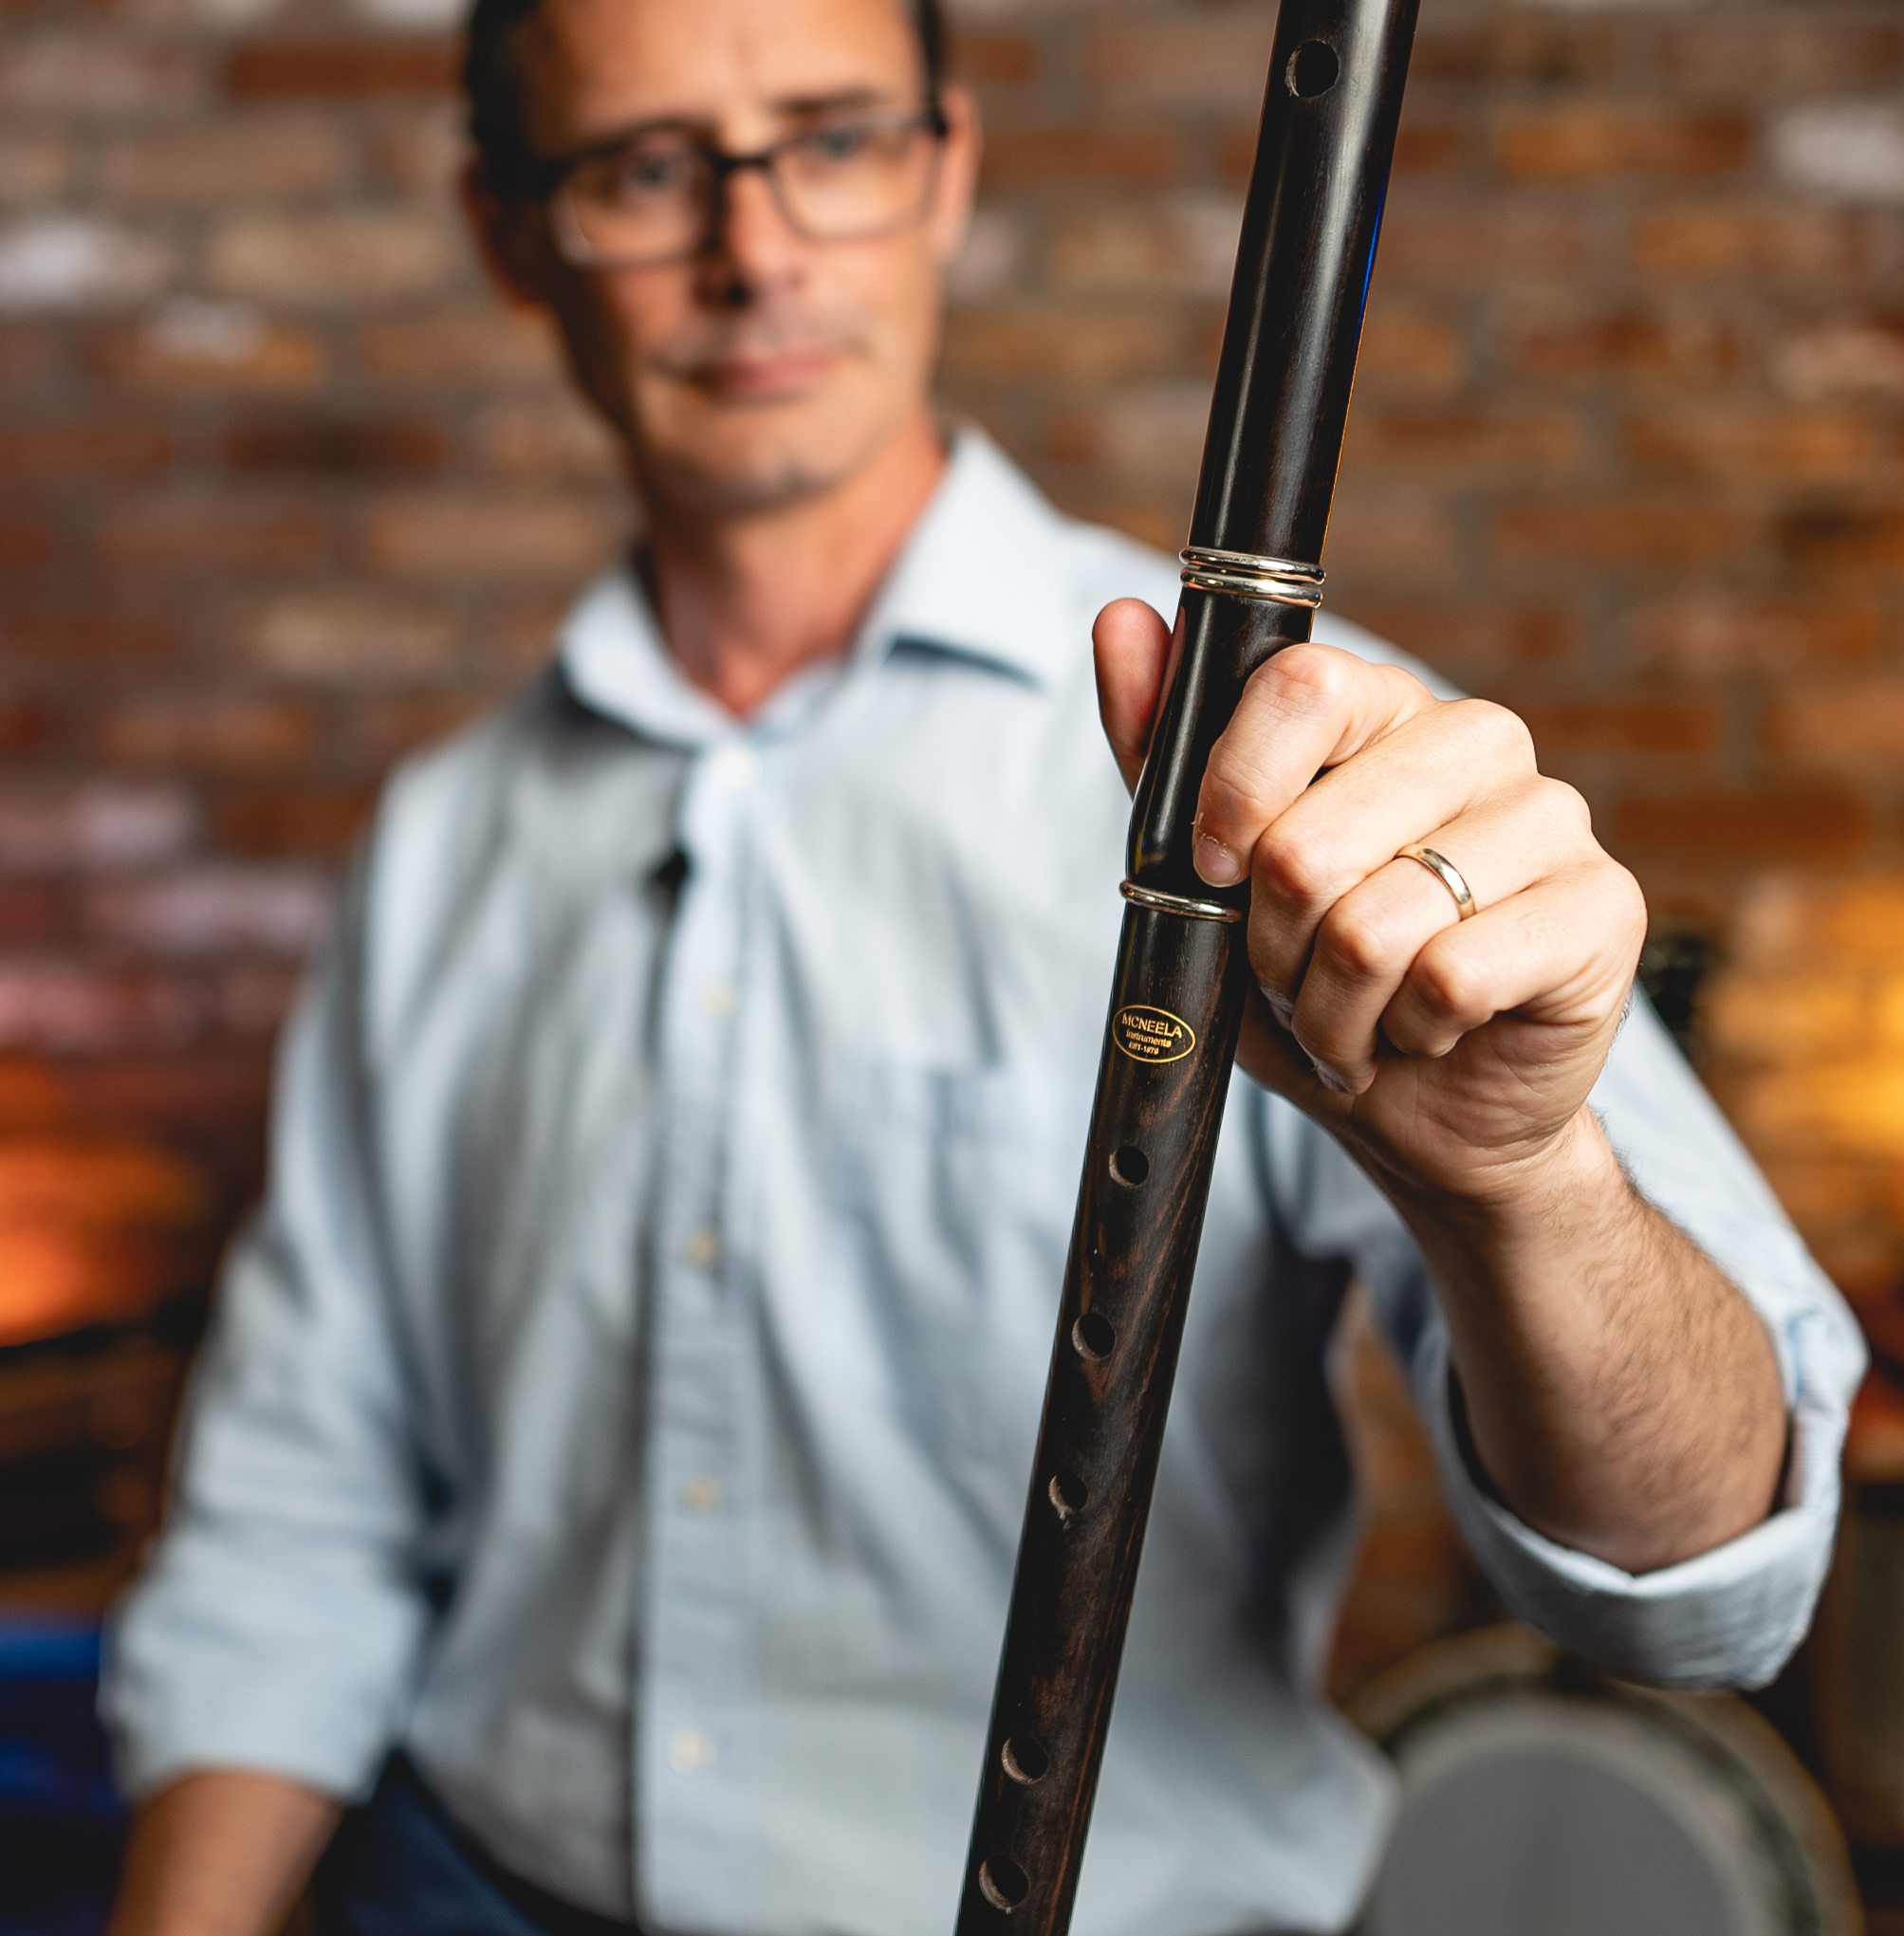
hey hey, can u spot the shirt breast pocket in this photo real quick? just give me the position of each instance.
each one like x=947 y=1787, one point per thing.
x=954 y=1194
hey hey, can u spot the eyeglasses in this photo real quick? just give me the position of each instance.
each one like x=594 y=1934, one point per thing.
x=657 y=197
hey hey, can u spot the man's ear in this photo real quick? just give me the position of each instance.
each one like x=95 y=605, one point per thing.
x=510 y=239
x=958 y=169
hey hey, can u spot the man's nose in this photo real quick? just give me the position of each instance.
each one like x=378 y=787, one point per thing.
x=755 y=246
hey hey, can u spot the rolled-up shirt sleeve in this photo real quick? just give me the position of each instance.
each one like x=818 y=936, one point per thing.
x=278 y=1622
x=1732 y=1616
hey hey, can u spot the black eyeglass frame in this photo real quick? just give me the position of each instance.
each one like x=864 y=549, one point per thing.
x=544 y=179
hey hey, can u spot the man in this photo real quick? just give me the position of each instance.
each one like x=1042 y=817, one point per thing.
x=623 y=1401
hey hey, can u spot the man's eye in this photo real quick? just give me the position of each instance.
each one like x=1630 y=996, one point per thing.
x=846 y=143
x=655 y=172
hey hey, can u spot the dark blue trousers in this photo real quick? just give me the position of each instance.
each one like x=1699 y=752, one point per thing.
x=399 y=1866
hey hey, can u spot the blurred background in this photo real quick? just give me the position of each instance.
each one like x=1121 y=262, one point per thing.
x=284 y=491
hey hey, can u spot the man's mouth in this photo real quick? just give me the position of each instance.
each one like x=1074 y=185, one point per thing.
x=765 y=377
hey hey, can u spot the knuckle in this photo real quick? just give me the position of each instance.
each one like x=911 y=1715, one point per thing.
x=1295 y=869
x=1355 y=942
x=1449 y=988
x=1233 y=795
x=1312 y=676
x=1503 y=736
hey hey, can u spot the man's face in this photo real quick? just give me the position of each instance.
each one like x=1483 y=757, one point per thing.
x=770 y=367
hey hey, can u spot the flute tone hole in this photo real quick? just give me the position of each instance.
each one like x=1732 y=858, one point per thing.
x=1313 y=69
x=1094 y=1335
x=1003 y=1884
x=1068 y=1494
x=1025 y=1758
x=1129 y=1167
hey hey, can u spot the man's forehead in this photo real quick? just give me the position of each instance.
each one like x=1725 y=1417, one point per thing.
x=592 y=65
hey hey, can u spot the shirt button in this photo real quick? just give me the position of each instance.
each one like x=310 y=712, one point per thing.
x=702 y=1493
x=718 y=999
x=689 y=1750
x=703 y=1250
x=735 y=765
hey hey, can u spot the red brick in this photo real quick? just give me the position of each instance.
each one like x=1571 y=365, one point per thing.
x=1843 y=357
x=187 y=346
x=351 y=637
x=24 y=542
x=259 y=159
x=1428 y=147
x=34 y=913
x=424 y=155
x=1840 y=724
x=97 y=825
x=1465 y=247
x=208 y=731
x=993 y=57
x=1682 y=346
x=1408 y=350
x=1717 y=637
x=1761 y=52
x=345 y=69
x=27 y=726
x=318 y=822
x=34 y=170
x=1598 y=141
x=209 y=535
x=483 y=347
x=59 y=1004
x=1120 y=156
x=27 y=355
x=1380 y=531
x=1772 y=241
x=95 y=73
x=1619 y=533
x=1470 y=441
x=548 y=440
x=388 y=729
x=212 y=911
x=1549 y=50
x=1198 y=63
x=339 y=259
x=82 y=635
x=1732 y=442
x=1180 y=245
x=1079 y=346
x=350 y=447
x=488 y=538
x=1623 y=725
x=1844 y=538
x=1465 y=635
x=104 y=447
x=1750 y=828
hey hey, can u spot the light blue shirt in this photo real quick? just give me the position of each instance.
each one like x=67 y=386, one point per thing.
x=626 y=1393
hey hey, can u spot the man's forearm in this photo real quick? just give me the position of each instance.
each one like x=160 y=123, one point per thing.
x=1622 y=1394
x=221 y=1852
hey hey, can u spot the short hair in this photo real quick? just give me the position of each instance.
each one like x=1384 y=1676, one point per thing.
x=493 y=87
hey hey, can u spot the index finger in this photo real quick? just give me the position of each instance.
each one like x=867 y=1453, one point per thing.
x=1310 y=707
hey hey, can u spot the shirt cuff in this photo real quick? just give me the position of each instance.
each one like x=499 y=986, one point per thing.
x=1730 y=1617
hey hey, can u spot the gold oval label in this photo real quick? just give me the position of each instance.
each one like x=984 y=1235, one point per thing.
x=1152 y=1035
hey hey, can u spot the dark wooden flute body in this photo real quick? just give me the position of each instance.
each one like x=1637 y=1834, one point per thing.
x=1251 y=580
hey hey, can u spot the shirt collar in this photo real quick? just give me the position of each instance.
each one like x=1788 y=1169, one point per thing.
x=981 y=579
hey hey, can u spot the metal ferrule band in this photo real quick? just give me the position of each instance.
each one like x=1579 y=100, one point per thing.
x=1179 y=904
x=1241 y=575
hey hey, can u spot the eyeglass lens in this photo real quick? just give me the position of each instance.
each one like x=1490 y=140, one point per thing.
x=652 y=200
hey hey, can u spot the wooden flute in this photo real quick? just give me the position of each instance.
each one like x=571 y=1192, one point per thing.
x=1252 y=580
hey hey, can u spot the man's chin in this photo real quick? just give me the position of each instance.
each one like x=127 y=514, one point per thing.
x=754 y=459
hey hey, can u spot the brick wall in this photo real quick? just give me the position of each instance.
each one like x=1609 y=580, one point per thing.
x=284 y=491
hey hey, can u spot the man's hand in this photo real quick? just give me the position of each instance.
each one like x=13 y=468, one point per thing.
x=222 y=1853
x=1622 y=1394
x=1451 y=1053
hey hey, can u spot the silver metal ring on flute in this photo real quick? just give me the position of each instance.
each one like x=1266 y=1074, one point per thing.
x=1179 y=904
x=1272 y=580
x=1447 y=873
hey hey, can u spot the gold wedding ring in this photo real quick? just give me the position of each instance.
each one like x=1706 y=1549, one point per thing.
x=1447 y=873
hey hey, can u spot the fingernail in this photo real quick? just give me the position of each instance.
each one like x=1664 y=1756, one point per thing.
x=1216 y=862
x=1327 y=1076
x=1281 y=1007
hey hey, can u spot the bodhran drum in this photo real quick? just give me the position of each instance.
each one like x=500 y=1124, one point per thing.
x=1541 y=1798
